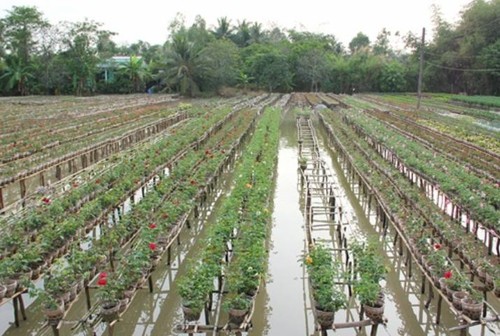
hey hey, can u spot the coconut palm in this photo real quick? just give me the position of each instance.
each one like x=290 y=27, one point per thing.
x=223 y=29
x=185 y=64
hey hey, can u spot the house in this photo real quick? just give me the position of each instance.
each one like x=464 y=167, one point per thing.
x=110 y=66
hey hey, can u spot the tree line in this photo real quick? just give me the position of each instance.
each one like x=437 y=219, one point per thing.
x=37 y=57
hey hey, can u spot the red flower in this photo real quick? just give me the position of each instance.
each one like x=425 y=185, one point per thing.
x=447 y=274
x=103 y=275
x=46 y=200
x=102 y=281
x=152 y=246
x=437 y=246
x=152 y=226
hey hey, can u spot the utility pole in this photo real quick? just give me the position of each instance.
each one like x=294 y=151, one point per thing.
x=421 y=69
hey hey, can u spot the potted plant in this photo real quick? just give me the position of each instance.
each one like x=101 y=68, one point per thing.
x=7 y=278
x=370 y=268
x=52 y=306
x=455 y=281
x=327 y=297
x=193 y=289
x=237 y=306
x=472 y=305
x=108 y=296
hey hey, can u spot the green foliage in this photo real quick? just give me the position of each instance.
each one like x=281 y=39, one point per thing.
x=195 y=59
x=322 y=273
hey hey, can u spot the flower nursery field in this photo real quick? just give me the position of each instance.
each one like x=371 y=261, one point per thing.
x=270 y=214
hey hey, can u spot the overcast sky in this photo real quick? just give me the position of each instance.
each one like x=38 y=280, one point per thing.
x=148 y=20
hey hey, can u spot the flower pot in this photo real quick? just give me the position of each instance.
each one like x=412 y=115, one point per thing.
x=66 y=297
x=442 y=284
x=450 y=292
x=3 y=290
x=123 y=305
x=324 y=318
x=110 y=310
x=435 y=280
x=374 y=313
x=54 y=315
x=162 y=241
x=472 y=308
x=481 y=274
x=457 y=299
x=73 y=291
x=191 y=314
x=129 y=292
x=489 y=283
x=11 y=286
x=237 y=316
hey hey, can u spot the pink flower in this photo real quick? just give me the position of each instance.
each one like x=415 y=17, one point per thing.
x=103 y=275
x=152 y=226
x=102 y=281
x=152 y=246
x=437 y=246
x=447 y=274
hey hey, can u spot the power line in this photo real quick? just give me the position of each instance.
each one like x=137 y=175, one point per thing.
x=462 y=69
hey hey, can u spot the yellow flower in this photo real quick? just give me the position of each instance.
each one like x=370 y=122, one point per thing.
x=309 y=260
x=249 y=186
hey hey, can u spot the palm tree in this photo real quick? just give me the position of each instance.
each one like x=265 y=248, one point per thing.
x=184 y=64
x=256 y=33
x=242 y=36
x=18 y=74
x=224 y=29
x=136 y=71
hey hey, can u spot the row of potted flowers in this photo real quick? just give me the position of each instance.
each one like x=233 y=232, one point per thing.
x=135 y=264
x=403 y=218
x=248 y=264
x=196 y=286
x=144 y=163
x=463 y=187
x=469 y=249
x=108 y=188
x=181 y=173
x=51 y=134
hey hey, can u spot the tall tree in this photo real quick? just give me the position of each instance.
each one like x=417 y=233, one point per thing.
x=222 y=60
x=21 y=26
x=242 y=35
x=81 y=50
x=20 y=29
x=223 y=29
x=184 y=64
x=360 y=41
x=269 y=66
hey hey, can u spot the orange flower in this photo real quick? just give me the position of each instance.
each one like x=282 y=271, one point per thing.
x=309 y=260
